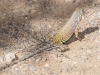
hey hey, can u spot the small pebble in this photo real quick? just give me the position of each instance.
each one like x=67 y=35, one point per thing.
x=47 y=65
x=1 y=59
x=98 y=58
x=59 y=54
x=89 y=51
x=10 y=57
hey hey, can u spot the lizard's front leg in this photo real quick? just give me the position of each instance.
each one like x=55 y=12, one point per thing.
x=77 y=33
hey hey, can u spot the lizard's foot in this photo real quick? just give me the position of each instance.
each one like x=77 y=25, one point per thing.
x=77 y=35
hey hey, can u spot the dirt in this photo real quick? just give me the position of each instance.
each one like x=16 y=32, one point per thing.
x=26 y=23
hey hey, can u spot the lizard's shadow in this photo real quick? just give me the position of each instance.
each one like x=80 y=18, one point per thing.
x=82 y=34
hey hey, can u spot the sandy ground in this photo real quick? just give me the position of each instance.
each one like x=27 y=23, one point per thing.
x=27 y=22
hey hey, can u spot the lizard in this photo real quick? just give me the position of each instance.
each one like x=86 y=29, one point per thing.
x=59 y=38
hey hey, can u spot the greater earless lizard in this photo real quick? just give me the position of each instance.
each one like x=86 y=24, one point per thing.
x=59 y=38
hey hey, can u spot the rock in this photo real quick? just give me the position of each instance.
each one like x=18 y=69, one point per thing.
x=1 y=59
x=33 y=68
x=98 y=58
x=47 y=65
x=89 y=51
x=10 y=57
x=59 y=54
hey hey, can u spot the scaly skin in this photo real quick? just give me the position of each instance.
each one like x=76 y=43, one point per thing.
x=69 y=28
